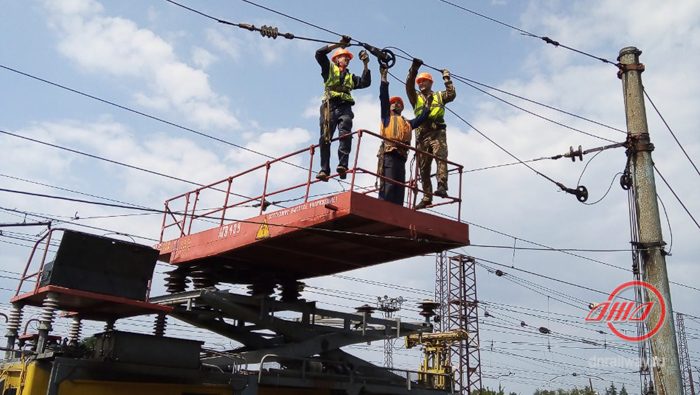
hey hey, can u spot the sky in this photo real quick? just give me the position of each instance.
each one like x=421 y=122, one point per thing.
x=263 y=94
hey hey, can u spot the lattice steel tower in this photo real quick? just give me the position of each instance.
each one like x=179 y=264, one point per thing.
x=683 y=354
x=462 y=314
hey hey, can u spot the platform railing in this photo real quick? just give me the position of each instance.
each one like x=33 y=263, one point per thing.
x=183 y=210
x=33 y=271
x=35 y=276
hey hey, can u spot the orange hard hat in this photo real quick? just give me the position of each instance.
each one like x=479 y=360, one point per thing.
x=341 y=52
x=424 y=76
x=396 y=99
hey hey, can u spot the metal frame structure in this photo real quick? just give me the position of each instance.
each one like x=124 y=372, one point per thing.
x=441 y=274
x=686 y=367
x=463 y=315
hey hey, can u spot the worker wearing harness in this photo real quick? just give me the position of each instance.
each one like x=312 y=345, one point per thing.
x=431 y=136
x=336 y=108
x=392 y=156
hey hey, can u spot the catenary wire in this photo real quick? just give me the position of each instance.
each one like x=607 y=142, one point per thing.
x=335 y=231
x=464 y=80
x=677 y=197
x=149 y=116
x=263 y=30
x=671 y=131
x=497 y=145
x=529 y=34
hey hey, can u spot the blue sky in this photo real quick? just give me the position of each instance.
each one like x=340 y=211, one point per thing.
x=263 y=94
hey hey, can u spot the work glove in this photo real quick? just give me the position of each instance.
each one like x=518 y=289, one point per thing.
x=364 y=57
x=383 y=71
x=345 y=41
x=445 y=74
x=416 y=63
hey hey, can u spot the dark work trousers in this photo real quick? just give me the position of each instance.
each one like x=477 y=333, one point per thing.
x=341 y=118
x=394 y=167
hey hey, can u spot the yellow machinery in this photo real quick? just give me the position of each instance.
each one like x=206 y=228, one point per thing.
x=288 y=356
x=436 y=367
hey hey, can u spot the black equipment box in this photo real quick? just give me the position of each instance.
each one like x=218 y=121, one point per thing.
x=102 y=265
x=143 y=349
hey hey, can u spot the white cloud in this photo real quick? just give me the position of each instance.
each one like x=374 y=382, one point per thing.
x=118 y=46
x=202 y=58
x=226 y=44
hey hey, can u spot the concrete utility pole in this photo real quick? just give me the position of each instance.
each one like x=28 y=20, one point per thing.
x=667 y=375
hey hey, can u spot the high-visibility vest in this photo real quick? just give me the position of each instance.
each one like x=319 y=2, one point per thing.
x=337 y=88
x=399 y=130
x=437 y=108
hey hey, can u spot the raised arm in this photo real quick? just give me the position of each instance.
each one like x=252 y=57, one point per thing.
x=449 y=94
x=366 y=79
x=384 y=96
x=411 y=82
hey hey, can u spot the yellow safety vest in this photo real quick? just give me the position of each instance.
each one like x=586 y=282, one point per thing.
x=437 y=108
x=399 y=130
x=337 y=88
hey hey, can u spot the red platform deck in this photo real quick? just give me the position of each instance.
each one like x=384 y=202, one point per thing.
x=336 y=233
x=90 y=305
x=320 y=237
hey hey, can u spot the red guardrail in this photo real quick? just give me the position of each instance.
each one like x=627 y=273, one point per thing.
x=184 y=217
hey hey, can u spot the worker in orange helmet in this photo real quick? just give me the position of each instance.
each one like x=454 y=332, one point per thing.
x=393 y=151
x=336 y=107
x=431 y=136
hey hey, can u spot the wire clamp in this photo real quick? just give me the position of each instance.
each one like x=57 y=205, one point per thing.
x=385 y=57
x=623 y=68
x=581 y=192
x=640 y=143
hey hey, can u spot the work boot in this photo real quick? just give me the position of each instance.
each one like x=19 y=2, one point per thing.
x=441 y=191
x=342 y=171
x=322 y=175
x=423 y=204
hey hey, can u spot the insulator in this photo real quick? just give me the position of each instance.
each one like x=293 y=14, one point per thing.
x=76 y=327
x=176 y=281
x=48 y=311
x=291 y=291
x=269 y=31
x=160 y=324
x=265 y=288
x=202 y=276
x=109 y=325
x=14 y=319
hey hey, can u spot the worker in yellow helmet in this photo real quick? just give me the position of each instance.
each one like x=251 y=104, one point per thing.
x=336 y=108
x=393 y=151
x=431 y=136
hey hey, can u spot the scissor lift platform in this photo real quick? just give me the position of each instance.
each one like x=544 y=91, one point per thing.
x=337 y=233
